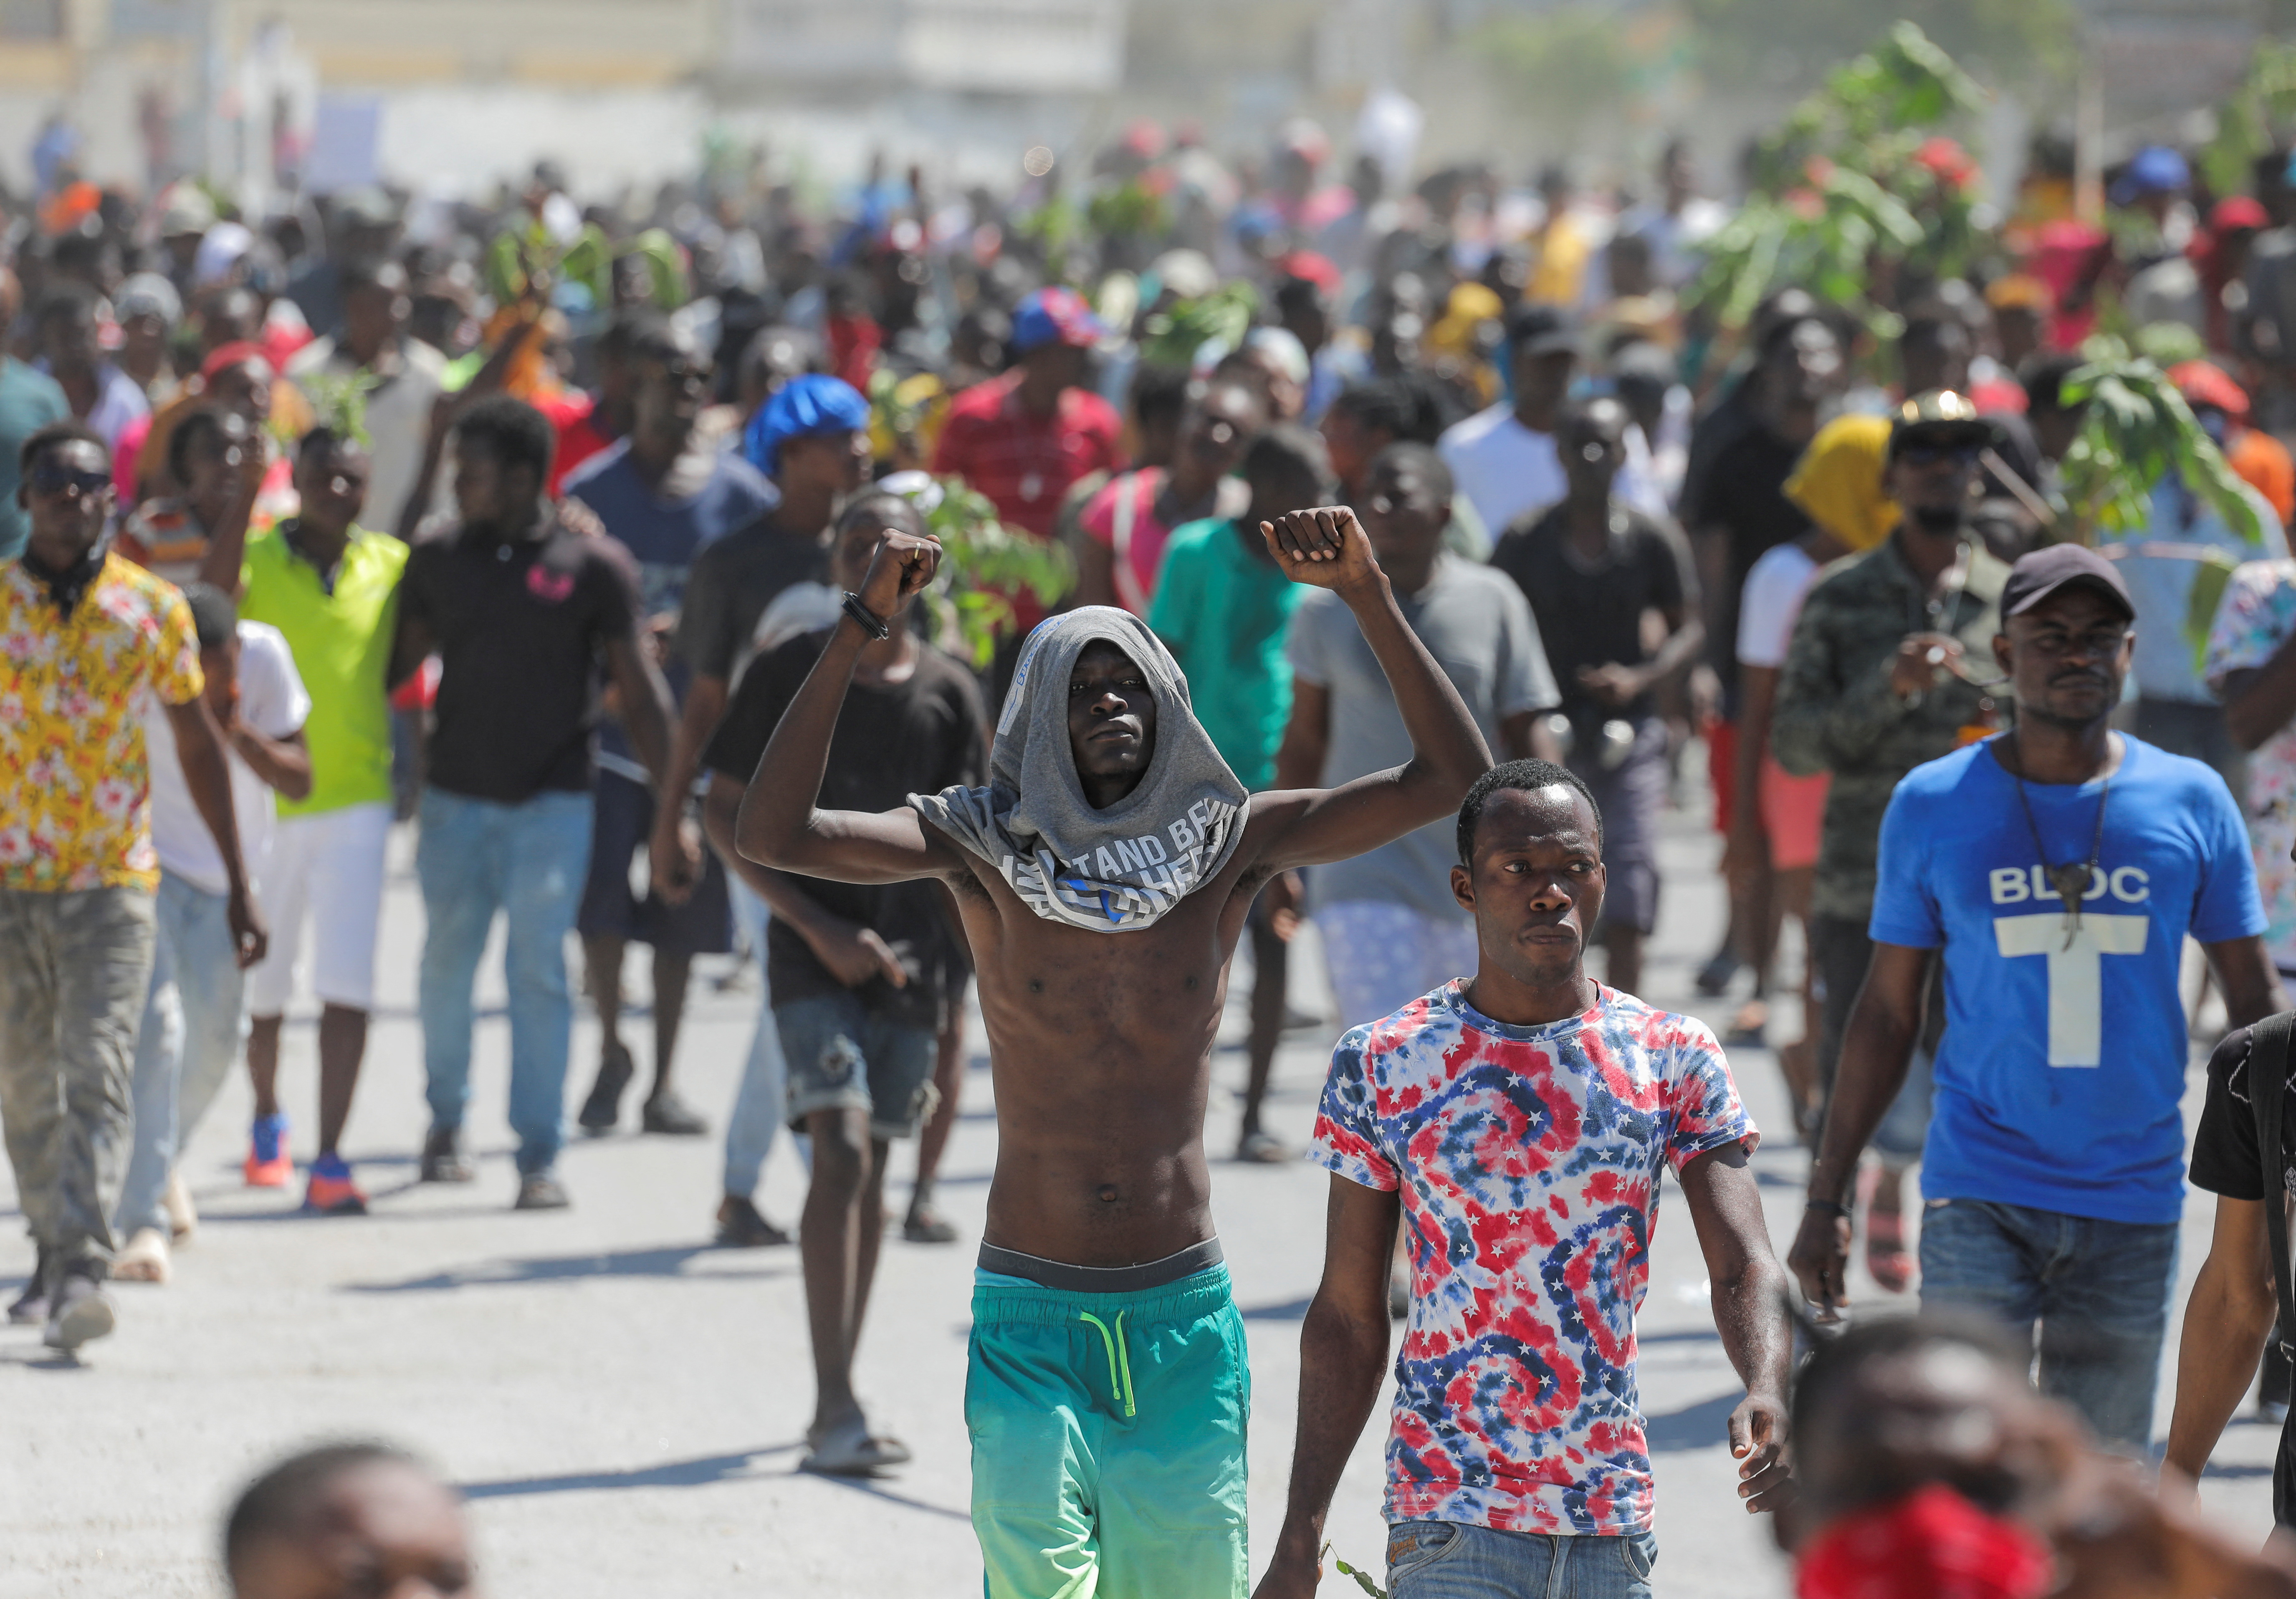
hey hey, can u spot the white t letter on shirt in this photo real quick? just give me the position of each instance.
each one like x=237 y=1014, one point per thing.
x=2076 y=974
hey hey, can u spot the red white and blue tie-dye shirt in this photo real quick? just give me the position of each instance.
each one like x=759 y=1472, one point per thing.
x=1528 y=1162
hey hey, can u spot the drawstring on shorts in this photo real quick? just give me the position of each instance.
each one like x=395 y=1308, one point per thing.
x=1119 y=1361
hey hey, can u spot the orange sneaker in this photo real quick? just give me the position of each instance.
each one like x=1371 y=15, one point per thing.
x=331 y=1192
x=269 y=1163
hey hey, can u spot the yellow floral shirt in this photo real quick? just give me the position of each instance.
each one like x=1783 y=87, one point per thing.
x=75 y=790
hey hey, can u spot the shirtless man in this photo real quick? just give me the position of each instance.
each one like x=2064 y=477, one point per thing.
x=1104 y=876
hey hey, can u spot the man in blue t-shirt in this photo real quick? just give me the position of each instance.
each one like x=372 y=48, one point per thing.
x=666 y=492
x=2054 y=1176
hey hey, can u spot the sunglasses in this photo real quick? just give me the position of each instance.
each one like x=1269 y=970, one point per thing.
x=54 y=477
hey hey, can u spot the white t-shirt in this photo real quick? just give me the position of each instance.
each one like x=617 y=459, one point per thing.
x=1771 y=601
x=273 y=701
x=1502 y=468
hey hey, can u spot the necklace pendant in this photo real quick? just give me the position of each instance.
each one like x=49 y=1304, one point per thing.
x=2071 y=881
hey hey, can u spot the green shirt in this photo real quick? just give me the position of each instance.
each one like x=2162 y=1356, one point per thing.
x=1223 y=609
x=341 y=641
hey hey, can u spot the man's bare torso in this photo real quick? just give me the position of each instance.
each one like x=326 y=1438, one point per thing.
x=1101 y=1045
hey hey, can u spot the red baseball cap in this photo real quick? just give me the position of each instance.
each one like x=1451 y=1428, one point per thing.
x=2205 y=383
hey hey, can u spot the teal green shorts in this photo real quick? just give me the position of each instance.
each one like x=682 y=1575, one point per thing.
x=1107 y=1436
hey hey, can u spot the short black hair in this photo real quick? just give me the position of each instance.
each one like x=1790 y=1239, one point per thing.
x=74 y=300
x=59 y=433
x=1159 y=393
x=195 y=424
x=276 y=1503
x=323 y=441
x=2043 y=379
x=631 y=331
x=1834 y=1362
x=1405 y=410
x=1409 y=454
x=513 y=431
x=896 y=509
x=1528 y=775
x=1288 y=451
x=215 y=614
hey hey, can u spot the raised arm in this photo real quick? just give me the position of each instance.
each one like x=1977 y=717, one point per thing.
x=780 y=824
x=1327 y=549
x=227 y=544
x=1342 y=1356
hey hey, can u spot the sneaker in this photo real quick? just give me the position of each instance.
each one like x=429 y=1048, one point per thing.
x=31 y=1305
x=183 y=1216
x=145 y=1259
x=442 y=1157
x=331 y=1192
x=665 y=1112
x=603 y=1108
x=78 y=1312
x=269 y=1163
x=742 y=1226
x=541 y=1190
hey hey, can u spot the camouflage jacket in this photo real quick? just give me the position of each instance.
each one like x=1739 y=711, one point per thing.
x=1836 y=712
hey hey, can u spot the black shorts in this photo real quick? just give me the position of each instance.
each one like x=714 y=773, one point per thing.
x=702 y=925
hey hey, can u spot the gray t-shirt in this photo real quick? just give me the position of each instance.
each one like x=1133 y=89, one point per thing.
x=1476 y=624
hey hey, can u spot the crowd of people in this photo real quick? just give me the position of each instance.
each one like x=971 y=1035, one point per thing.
x=1406 y=545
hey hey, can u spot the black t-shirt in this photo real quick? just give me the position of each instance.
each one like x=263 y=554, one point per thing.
x=733 y=580
x=892 y=740
x=1744 y=495
x=521 y=629
x=1593 y=616
x=2225 y=1159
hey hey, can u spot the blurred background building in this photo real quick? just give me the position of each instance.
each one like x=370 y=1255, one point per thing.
x=456 y=95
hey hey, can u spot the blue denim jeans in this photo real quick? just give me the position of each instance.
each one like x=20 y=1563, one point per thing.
x=757 y=1119
x=2098 y=1290
x=1454 y=1560
x=476 y=858
x=193 y=1024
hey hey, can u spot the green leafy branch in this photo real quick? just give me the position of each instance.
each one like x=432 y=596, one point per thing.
x=987 y=564
x=1849 y=178
x=1363 y=1578
x=2136 y=431
x=339 y=402
x=1171 y=337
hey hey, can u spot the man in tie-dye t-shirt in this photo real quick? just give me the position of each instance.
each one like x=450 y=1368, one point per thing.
x=1517 y=1121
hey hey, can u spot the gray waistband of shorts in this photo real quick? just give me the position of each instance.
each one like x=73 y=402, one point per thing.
x=1103 y=1279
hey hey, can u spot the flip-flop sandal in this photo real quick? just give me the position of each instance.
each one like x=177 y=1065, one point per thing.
x=1886 y=1259
x=848 y=1450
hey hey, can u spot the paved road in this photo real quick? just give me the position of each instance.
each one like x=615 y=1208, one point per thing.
x=622 y=1403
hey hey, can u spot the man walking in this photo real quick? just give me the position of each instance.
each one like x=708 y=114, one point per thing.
x=330 y=588
x=812 y=439
x=1878 y=680
x=1592 y=569
x=521 y=606
x=84 y=638
x=665 y=493
x=1504 y=459
x=1516 y=1123
x=862 y=976
x=1105 y=875
x=1391 y=929
x=2059 y=867
x=1224 y=608
x=189 y=1037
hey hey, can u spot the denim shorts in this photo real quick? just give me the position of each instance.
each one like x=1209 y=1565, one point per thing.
x=844 y=1056
x=1455 y=1560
